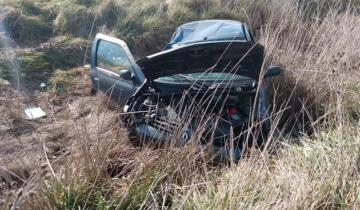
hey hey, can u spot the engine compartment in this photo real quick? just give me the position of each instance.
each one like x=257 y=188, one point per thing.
x=163 y=117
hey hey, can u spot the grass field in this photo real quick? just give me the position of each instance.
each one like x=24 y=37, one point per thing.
x=80 y=158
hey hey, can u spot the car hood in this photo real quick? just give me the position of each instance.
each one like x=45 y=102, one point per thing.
x=239 y=57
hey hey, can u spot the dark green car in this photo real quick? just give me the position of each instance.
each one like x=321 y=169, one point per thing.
x=204 y=85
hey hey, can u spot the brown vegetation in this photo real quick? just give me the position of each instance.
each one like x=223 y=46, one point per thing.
x=80 y=157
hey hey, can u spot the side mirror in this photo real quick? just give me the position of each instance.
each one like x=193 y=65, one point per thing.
x=126 y=74
x=273 y=71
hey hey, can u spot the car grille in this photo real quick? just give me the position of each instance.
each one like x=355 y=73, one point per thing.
x=166 y=125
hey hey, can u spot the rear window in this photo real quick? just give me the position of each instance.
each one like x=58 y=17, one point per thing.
x=112 y=57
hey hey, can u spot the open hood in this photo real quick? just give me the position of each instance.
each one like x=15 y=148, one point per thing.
x=241 y=57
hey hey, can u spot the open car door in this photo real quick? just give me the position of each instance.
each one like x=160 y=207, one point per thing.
x=113 y=69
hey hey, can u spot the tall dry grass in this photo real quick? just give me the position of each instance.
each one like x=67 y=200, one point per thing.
x=320 y=56
x=318 y=91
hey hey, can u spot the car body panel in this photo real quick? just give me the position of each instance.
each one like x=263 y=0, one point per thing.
x=111 y=82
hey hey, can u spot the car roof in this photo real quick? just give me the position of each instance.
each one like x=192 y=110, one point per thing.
x=207 y=30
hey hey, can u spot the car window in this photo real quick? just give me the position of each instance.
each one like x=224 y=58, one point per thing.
x=112 y=57
x=207 y=31
x=203 y=77
x=227 y=32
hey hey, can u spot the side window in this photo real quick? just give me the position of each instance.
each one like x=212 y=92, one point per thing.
x=112 y=57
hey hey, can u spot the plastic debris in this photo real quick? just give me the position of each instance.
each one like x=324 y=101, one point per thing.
x=34 y=113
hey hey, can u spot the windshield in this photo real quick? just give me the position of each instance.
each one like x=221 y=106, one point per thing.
x=206 y=77
x=210 y=30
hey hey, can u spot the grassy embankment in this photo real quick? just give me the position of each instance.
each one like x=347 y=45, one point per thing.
x=316 y=42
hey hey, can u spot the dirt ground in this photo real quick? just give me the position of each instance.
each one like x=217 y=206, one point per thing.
x=26 y=144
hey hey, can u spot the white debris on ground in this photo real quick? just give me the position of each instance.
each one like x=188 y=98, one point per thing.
x=34 y=113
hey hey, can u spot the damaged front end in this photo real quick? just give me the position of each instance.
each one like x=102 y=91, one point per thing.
x=218 y=116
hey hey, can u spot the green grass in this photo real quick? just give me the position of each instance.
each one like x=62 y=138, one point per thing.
x=38 y=65
x=315 y=41
x=26 y=25
x=65 y=81
x=68 y=195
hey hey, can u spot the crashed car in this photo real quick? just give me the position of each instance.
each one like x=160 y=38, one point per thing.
x=206 y=84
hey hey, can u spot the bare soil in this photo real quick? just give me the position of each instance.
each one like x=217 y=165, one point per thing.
x=27 y=144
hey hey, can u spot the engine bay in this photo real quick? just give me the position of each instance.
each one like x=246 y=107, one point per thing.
x=212 y=114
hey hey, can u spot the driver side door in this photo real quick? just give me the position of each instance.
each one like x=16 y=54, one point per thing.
x=113 y=69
